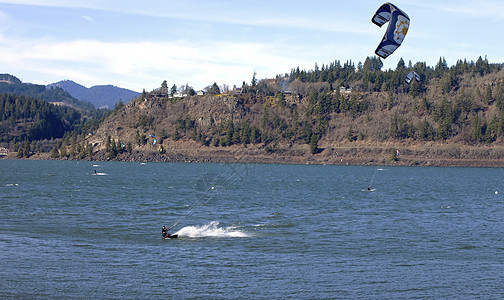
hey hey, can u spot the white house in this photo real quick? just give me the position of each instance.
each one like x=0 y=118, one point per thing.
x=344 y=90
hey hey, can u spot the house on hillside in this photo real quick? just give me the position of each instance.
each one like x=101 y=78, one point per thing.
x=292 y=98
x=344 y=90
x=200 y=93
x=3 y=151
x=179 y=95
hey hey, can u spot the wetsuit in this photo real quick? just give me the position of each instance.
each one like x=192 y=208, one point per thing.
x=164 y=231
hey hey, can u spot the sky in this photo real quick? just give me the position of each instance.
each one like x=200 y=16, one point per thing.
x=139 y=44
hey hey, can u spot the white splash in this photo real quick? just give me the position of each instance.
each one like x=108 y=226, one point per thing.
x=210 y=230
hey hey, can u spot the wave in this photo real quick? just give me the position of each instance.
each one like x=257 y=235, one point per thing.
x=210 y=230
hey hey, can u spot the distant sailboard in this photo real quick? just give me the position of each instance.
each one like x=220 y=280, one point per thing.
x=98 y=173
x=171 y=236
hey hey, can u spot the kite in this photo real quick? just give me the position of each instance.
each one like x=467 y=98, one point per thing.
x=412 y=75
x=396 y=31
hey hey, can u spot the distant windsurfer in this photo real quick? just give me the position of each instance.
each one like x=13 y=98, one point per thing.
x=95 y=172
x=369 y=188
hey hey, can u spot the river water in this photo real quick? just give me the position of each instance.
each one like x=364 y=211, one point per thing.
x=249 y=231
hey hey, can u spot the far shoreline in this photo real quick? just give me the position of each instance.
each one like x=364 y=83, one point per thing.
x=427 y=155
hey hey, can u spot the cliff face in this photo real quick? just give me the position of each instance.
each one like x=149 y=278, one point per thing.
x=320 y=126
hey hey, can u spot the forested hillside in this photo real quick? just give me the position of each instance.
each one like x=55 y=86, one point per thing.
x=330 y=113
x=316 y=112
x=12 y=85
x=29 y=125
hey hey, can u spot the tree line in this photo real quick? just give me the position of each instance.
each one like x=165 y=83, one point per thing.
x=29 y=123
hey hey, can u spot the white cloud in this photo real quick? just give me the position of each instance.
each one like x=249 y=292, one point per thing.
x=147 y=64
x=225 y=43
x=5 y=20
x=53 y=3
x=88 y=18
x=264 y=15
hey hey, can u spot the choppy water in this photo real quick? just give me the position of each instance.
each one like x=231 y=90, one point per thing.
x=249 y=231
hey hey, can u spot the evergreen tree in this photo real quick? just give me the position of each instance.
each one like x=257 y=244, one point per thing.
x=306 y=132
x=54 y=152
x=108 y=144
x=228 y=141
x=254 y=80
x=415 y=89
x=488 y=94
x=255 y=135
x=175 y=135
x=245 y=132
x=26 y=149
x=499 y=98
x=401 y=65
x=20 y=153
x=214 y=89
x=63 y=151
x=394 y=127
x=477 y=128
x=129 y=147
x=314 y=144
x=173 y=90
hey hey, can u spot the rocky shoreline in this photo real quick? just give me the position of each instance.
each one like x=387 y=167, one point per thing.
x=439 y=155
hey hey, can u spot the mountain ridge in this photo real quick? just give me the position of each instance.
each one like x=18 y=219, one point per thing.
x=12 y=85
x=101 y=96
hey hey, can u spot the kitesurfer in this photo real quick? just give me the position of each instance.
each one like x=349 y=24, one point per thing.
x=164 y=231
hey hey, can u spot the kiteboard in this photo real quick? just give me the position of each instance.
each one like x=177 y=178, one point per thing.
x=171 y=236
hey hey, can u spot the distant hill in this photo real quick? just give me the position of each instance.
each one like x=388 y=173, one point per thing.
x=100 y=96
x=8 y=78
x=30 y=125
x=27 y=118
x=10 y=84
x=335 y=114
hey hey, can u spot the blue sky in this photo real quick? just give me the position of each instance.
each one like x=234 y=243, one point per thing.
x=138 y=44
